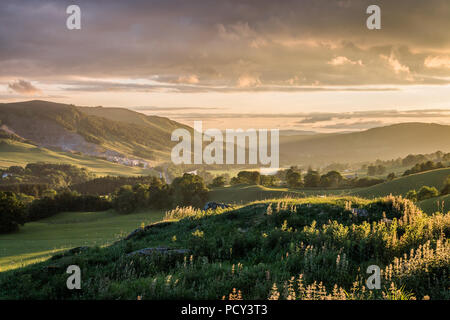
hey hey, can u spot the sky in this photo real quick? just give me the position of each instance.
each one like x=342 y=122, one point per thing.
x=309 y=65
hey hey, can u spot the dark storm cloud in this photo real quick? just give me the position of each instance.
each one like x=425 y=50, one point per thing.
x=228 y=45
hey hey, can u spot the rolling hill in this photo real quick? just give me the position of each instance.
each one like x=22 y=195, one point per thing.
x=16 y=153
x=204 y=256
x=241 y=194
x=438 y=204
x=105 y=132
x=400 y=186
x=382 y=143
x=123 y=133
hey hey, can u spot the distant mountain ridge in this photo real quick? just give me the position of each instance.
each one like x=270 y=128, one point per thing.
x=120 y=133
x=381 y=143
x=104 y=132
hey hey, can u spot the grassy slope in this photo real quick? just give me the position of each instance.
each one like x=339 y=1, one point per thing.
x=241 y=194
x=401 y=186
x=121 y=130
x=14 y=153
x=431 y=205
x=37 y=241
x=258 y=257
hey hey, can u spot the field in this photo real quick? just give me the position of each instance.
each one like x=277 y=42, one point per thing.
x=400 y=186
x=14 y=153
x=37 y=241
x=241 y=194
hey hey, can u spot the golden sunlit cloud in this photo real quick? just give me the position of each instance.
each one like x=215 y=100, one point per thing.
x=339 y=61
x=437 y=62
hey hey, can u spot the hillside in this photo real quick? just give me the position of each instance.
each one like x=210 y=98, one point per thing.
x=16 y=153
x=241 y=194
x=99 y=132
x=382 y=143
x=400 y=186
x=254 y=252
x=438 y=204
x=119 y=133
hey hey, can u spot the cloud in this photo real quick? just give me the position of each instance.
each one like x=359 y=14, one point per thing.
x=437 y=62
x=190 y=79
x=395 y=64
x=24 y=87
x=387 y=114
x=246 y=81
x=164 y=109
x=339 y=61
x=317 y=117
x=255 y=45
x=361 y=125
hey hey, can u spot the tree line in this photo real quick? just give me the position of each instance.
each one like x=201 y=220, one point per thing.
x=17 y=209
x=294 y=178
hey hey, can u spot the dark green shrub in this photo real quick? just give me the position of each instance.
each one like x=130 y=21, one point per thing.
x=426 y=193
x=12 y=212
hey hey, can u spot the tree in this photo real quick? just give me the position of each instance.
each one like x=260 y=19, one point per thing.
x=12 y=212
x=124 y=201
x=376 y=170
x=218 y=182
x=141 y=195
x=294 y=178
x=366 y=182
x=160 y=195
x=331 y=180
x=424 y=166
x=269 y=180
x=234 y=181
x=391 y=176
x=426 y=193
x=189 y=190
x=249 y=177
x=312 y=179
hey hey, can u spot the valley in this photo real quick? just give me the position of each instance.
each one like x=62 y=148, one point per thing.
x=87 y=181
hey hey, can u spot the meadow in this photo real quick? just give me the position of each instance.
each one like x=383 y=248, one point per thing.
x=38 y=241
